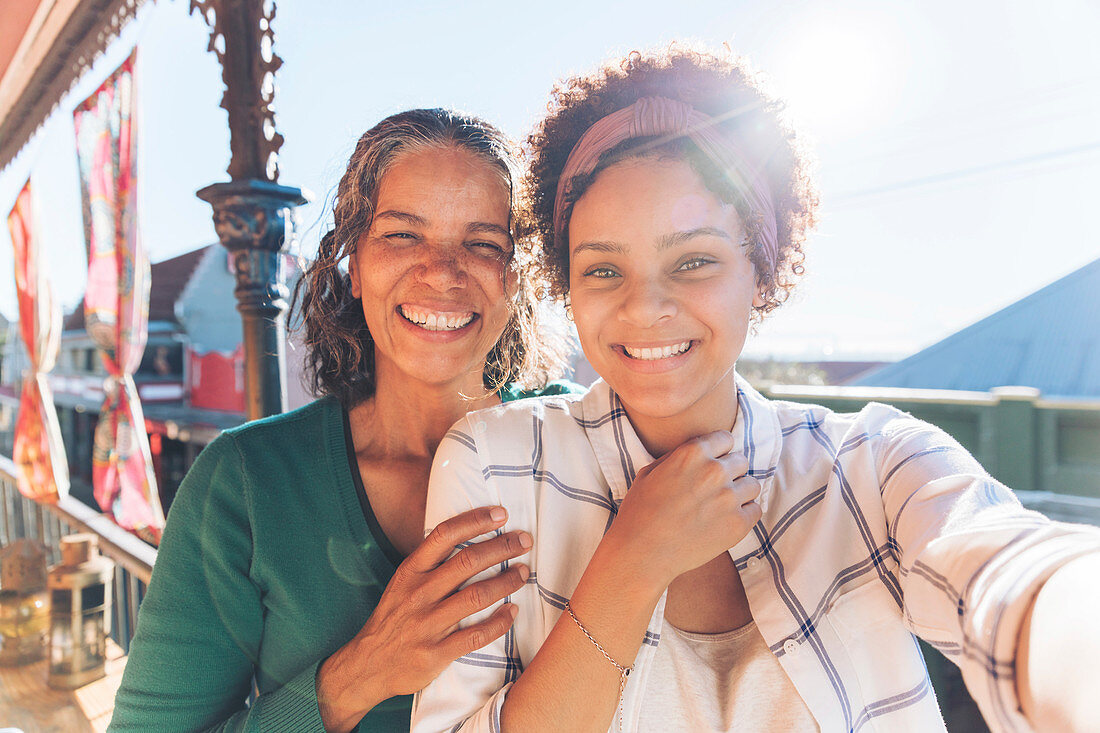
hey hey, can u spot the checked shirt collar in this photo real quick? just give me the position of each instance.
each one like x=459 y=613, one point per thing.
x=620 y=452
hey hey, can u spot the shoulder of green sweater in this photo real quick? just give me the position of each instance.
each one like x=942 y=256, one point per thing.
x=319 y=409
x=273 y=453
x=310 y=435
x=558 y=387
x=285 y=432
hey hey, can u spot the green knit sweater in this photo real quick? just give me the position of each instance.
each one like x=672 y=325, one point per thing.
x=267 y=566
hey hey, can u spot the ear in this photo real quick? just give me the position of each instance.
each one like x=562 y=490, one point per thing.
x=758 y=299
x=353 y=272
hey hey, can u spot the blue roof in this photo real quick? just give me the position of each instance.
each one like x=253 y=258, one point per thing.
x=1049 y=340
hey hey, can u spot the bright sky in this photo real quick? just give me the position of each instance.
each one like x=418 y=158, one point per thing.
x=959 y=143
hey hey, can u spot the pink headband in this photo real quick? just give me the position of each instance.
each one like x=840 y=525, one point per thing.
x=669 y=119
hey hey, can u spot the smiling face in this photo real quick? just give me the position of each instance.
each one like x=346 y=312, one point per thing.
x=433 y=269
x=662 y=291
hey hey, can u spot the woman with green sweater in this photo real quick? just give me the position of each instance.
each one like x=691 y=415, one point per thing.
x=294 y=557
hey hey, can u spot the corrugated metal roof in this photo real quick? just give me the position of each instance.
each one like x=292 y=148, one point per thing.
x=1049 y=340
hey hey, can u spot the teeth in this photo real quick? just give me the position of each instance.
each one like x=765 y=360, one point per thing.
x=437 y=321
x=660 y=353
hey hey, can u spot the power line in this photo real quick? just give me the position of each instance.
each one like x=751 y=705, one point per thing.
x=948 y=176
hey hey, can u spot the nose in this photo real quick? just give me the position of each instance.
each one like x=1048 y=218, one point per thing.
x=441 y=268
x=647 y=303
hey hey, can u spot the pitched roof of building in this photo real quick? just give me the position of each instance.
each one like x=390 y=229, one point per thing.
x=1049 y=340
x=169 y=278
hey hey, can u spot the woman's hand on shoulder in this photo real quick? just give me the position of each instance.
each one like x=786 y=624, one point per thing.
x=687 y=507
x=413 y=632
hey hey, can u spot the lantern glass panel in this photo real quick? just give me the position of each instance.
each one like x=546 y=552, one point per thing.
x=24 y=612
x=61 y=601
x=94 y=642
x=61 y=646
x=24 y=621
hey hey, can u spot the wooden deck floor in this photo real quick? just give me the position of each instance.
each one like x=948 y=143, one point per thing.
x=28 y=704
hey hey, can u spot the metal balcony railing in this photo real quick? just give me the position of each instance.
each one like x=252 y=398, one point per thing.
x=20 y=517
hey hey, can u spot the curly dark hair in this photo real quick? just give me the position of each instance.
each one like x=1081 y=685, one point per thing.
x=721 y=87
x=340 y=350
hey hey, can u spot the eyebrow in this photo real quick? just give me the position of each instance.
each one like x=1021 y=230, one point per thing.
x=485 y=227
x=668 y=240
x=477 y=227
x=677 y=238
x=400 y=216
x=608 y=247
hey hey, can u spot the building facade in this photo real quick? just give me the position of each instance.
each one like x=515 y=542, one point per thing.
x=191 y=378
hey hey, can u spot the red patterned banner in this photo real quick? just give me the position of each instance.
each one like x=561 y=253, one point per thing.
x=39 y=454
x=116 y=305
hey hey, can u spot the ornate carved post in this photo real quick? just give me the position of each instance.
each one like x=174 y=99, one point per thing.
x=253 y=214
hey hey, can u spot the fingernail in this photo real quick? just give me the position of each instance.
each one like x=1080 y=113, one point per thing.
x=524 y=572
x=513 y=610
x=524 y=540
x=497 y=514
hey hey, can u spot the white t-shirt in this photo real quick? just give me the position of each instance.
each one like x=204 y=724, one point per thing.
x=718 y=683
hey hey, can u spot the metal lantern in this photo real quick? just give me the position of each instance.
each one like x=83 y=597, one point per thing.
x=80 y=612
x=24 y=612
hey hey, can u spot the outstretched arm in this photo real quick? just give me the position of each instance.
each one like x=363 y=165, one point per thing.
x=1058 y=656
x=975 y=565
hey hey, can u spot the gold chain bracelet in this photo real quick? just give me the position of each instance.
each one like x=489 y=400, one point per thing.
x=624 y=672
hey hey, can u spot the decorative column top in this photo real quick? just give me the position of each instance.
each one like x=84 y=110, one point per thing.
x=242 y=37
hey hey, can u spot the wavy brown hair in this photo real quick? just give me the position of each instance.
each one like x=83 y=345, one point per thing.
x=340 y=350
x=721 y=87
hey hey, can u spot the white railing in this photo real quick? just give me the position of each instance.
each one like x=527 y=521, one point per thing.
x=133 y=558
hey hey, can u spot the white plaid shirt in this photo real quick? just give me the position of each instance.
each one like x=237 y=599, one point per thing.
x=874 y=525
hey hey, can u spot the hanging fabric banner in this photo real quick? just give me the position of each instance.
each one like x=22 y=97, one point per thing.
x=116 y=304
x=39 y=454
